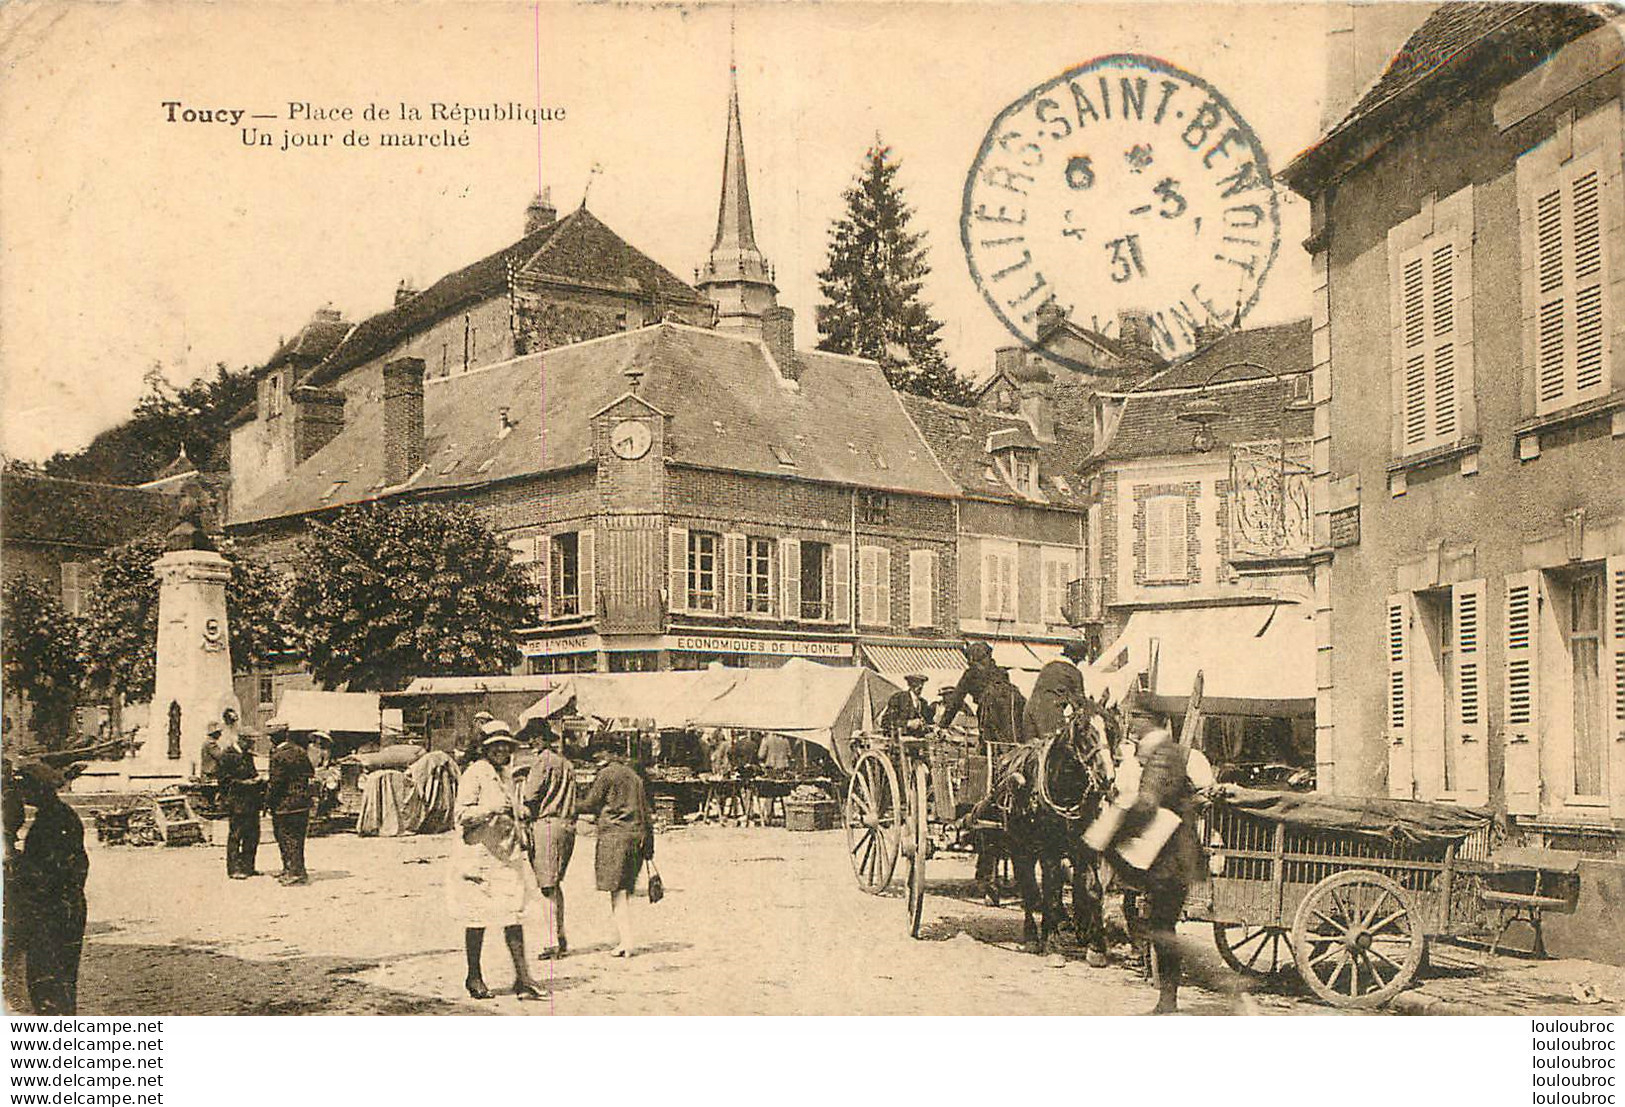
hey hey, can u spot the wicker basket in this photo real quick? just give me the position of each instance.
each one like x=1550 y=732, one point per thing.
x=813 y=815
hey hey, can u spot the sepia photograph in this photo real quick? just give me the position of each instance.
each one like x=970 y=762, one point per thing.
x=903 y=509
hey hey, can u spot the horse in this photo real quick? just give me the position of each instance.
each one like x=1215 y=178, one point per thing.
x=1045 y=794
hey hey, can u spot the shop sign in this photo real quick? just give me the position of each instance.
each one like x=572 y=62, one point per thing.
x=781 y=647
x=574 y=643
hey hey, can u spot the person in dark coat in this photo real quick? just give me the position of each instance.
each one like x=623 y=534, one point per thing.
x=1059 y=687
x=999 y=707
x=548 y=799
x=908 y=712
x=626 y=837
x=241 y=795
x=50 y=884
x=999 y=704
x=208 y=760
x=1172 y=776
x=288 y=796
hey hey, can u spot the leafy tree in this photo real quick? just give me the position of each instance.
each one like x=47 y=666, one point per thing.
x=121 y=633
x=165 y=419
x=384 y=593
x=872 y=284
x=43 y=657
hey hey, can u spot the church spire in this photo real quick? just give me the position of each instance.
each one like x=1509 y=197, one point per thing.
x=736 y=277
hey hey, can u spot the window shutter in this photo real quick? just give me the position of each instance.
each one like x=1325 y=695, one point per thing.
x=1614 y=659
x=586 y=571
x=882 y=587
x=773 y=569
x=1156 y=540
x=841 y=554
x=790 y=576
x=1522 y=721
x=869 y=574
x=1401 y=770
x=1442 y=343
x=733 y=573
x=922 y=586
x=990 y=585
x=677 y=569
x=1570 y=285
x=1414 y=327
x=1471 y=723
x=1008 y=600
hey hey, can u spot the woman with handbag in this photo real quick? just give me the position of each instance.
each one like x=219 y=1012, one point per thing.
x=626 y=836
x=490 y=879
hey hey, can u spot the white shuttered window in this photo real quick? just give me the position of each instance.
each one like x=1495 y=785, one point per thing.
x=1166 y=548
x=874 y=586
x=922 y=587
x=1521 y=627
x=1397 y=653
x=1430 y=310
x=1570 y=285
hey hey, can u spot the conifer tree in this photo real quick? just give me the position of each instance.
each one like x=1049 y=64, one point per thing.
x=872 y=284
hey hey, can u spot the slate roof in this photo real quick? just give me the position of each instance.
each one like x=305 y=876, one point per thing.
x=958 y=436
x=1515 y=35
x=52 y=511
x=1241 y=355
x=578 y=249
x=1241 y=367
x=729 y=410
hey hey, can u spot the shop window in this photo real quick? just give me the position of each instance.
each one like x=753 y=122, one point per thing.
x=703 y=570
x=566 y=574
x=759 y=576
x=815 y=581
x=633 y=661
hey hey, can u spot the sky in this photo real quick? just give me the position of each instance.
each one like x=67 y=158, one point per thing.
x=128 y=240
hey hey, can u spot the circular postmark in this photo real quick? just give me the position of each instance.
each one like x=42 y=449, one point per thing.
x=1124 y=185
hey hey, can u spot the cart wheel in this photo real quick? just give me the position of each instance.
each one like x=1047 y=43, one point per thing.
x=873 y=822
x=915 y=847
x=1262 y=952
x=1355 y=939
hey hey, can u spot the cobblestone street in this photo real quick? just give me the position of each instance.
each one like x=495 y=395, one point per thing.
x=755 y=922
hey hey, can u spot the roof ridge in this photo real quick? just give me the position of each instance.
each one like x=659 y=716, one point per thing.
x=26 y=475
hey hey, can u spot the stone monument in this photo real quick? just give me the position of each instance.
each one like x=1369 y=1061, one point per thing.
x=192 y=684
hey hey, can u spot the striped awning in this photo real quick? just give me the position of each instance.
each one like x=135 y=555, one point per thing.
x=940 y=665
x=1025 y=655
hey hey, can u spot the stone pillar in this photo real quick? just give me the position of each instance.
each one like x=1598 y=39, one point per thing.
x=194 y=657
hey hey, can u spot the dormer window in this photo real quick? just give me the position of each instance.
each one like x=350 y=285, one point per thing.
x=1016 y=455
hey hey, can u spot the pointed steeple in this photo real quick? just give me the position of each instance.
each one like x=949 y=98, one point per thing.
x=736 y=277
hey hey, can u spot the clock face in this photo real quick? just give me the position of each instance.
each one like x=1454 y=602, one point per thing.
x=630 y=439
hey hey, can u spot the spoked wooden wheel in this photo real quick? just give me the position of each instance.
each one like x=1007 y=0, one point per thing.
x=873 y=822
x=1262 y=952
x=1355 y=939
x=916 y=845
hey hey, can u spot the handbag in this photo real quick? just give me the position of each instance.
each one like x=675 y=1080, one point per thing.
x=657 y=887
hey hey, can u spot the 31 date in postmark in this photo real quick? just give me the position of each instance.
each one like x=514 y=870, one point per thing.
x=1124 y=184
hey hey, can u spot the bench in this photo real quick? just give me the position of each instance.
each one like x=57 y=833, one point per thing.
x=1538 y=869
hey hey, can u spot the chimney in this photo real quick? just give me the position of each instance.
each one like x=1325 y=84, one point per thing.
x=779 y=332
x=1039 y=412
x=403 y=419
x=1049 y=314
x=1134 y=329
x=318 y=417
x=1011 y=360
x=404 y=292
x=541 y=212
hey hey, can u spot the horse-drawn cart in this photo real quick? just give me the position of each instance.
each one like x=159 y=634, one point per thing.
x=903 y=798
x=1346 y=890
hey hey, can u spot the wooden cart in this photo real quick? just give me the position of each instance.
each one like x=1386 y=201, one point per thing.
x=1346 y=891
x=902 y=797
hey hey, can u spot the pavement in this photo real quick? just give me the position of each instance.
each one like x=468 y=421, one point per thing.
x=755 y=921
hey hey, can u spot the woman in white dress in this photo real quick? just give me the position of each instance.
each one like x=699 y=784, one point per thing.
x=490 y=879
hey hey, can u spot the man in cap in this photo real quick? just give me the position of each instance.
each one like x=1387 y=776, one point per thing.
x=288 y=796
x=908 y=712
x=549 y=802
x=1059 y=687
x=208 y=760
x=50 y=885
x=240 y=793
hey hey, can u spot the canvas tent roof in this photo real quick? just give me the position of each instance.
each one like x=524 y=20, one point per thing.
x=1255 y=659
x=349 y=712
x=823 y=704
